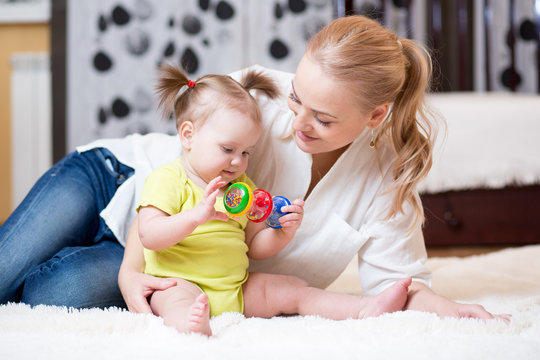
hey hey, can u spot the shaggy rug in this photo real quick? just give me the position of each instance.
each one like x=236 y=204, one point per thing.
x=507 y=281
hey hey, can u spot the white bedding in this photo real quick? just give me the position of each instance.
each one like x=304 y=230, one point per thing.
x=492 y=141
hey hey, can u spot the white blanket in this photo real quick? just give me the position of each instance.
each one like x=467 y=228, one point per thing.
x=507 y=281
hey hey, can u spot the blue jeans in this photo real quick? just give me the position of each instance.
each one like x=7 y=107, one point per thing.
x=55 y=249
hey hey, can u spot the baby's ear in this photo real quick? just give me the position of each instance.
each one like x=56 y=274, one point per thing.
x=186 y=134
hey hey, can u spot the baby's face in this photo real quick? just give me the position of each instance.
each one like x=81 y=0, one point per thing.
x=222 y=144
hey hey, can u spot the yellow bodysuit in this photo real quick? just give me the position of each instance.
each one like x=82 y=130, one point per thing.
x=214 y=256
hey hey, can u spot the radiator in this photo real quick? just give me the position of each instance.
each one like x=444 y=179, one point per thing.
x=31 y=125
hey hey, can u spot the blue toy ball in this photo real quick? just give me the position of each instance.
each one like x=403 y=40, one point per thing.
x=273 y=220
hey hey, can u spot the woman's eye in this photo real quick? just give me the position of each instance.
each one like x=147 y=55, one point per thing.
x=294 y=98
x=323 y=123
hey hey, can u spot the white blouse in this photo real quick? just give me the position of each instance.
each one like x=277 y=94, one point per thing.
x=344 y=215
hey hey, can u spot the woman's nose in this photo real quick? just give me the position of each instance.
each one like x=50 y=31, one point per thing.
x=302 y=121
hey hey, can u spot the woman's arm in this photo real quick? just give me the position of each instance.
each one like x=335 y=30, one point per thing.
x=134 y=285
x=422 y=298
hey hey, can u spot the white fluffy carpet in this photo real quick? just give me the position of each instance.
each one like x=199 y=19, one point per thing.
x=507 y=281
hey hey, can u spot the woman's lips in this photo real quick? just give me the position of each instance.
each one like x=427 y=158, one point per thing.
x=304 y=137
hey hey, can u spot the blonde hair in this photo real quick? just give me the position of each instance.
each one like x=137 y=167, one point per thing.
x=209 y=93
x=379 y=68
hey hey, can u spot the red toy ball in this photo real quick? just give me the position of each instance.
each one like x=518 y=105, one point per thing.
x=262 y=206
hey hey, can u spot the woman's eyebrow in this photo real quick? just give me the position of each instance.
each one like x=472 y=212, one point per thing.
x=315 y=111
x=294 y=91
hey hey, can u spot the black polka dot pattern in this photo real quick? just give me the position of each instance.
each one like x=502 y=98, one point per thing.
x=297 y=6
x=120 y=108
x=138 y=42
x=400 y=3
x=189 y=61
x=278 y=49
x=129 y=39
x=204 y=4
x=102 y=62
x=102 y=23
x=527 y=30
x=224 y=10
x=191 y=25
x=120 y=16
x=510 y=78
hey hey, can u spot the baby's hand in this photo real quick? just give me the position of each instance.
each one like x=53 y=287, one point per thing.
x=205 y=209
x=291 y=221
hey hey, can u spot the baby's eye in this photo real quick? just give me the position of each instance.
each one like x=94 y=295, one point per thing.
x=226 y=149
x=245 y=153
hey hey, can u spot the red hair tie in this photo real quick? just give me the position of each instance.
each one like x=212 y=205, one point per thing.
x=190 y=84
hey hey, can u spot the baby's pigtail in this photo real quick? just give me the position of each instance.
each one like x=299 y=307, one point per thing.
x=171 y=79
x=256 y=80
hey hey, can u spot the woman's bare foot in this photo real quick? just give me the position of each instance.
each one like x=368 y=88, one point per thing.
x=199 y=316
x=390 y=300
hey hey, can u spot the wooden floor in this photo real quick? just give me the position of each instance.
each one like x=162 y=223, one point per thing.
x=461 y=251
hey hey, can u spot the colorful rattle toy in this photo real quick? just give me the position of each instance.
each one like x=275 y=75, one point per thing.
x=258 y=205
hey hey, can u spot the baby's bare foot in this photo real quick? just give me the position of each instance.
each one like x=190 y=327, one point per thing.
x=199 y=316
x=390 y=300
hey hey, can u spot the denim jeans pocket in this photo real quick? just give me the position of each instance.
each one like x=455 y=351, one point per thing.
x=115 y=168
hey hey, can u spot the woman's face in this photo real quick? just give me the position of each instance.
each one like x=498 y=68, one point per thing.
x=326 y=118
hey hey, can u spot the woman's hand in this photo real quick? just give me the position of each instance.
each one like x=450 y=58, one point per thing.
x=291 y=221
x=136 y=287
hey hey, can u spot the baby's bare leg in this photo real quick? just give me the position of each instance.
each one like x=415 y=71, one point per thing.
x=267 y=295
x=184 y=307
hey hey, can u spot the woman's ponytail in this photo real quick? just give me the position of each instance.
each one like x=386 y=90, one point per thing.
x=409 y=130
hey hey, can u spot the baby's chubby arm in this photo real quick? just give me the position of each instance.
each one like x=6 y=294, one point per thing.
x=159 y=230
x=264 y=242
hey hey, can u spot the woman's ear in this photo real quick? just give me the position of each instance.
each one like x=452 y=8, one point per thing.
x=378 y=115
x=186 y=134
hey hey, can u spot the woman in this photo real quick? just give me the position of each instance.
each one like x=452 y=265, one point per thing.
x=358 y=144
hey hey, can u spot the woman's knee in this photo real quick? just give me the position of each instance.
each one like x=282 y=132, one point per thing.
x=79 y=277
